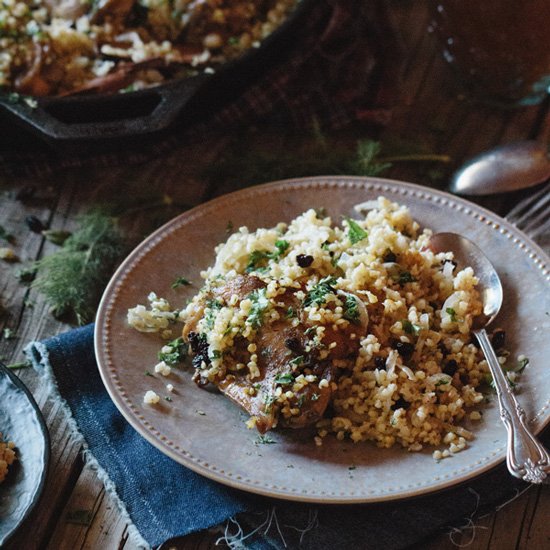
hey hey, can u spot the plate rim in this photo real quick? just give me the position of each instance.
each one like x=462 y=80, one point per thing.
x=537 y=256
x=46 y=455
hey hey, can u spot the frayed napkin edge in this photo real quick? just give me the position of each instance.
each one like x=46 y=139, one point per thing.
x=40 y=359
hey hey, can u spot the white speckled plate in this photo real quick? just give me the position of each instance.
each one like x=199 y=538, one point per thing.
x=22 y=422
x=217 y=444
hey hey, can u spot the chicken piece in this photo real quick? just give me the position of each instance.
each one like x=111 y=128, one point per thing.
x=284 y=352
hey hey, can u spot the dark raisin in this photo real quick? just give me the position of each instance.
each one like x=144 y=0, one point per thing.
x=389 y=257
x=442 y=348
x=304 y=260
x=450 y=367
x=405 y=349
x=464 y=379
x=199 y=346
x=380 y=363
x=34 y=224
x=294 y=344
x=400 y=404
x=498 y=339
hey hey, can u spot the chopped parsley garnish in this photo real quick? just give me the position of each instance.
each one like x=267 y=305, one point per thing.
x=176 y=353
x=213 y=307
x=258 y=259
x=180 y=281
x=147 y=373
x=301 y=401
x=351 y=309
x=355 y=232
x=284 y=379
x=405 y=277
x=168 y=398
x=297 y=360
x=443 y=382
x=317 y=295
x=215 y=354
x=260 y=303
x=315 y=397
x=410 y=328
x=290 y=312
x=450 y=311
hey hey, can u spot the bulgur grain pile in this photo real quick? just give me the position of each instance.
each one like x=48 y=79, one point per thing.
x=7 y=457
x=415 y=374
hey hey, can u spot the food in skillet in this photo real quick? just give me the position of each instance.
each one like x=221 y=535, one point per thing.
x=359 y=330
x=7 y=457
x=56 y=47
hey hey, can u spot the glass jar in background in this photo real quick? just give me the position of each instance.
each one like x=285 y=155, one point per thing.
x=500 y=49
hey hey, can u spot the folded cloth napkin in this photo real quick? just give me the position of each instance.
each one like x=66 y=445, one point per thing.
x=164 y=499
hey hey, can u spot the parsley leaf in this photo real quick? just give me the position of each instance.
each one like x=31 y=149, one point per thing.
x=404 y=277
x=450 y=311
x=317 y=295
x=284 y=379
x=260 y=304
x=351 y=306
x=175 y=354
x=180 y=281
x=213 y=307
x=355 y=232
x=258 y=259
x=409 y=327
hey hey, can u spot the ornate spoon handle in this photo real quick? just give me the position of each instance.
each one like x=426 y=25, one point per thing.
x=525 y=456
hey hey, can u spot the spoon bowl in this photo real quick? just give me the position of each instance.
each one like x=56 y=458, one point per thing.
x=505 y=168
x=525 y=456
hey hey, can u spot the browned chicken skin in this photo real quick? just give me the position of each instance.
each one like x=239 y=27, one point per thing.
x=284 y=352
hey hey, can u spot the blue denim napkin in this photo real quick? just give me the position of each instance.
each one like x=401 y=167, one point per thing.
x=164 y=499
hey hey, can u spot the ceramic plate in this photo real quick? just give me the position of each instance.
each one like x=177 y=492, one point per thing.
x=206 y=432
x=21 y=422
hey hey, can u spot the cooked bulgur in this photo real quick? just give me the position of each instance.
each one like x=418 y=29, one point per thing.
x=7 y=457
x=415 y=372
x=63 y=46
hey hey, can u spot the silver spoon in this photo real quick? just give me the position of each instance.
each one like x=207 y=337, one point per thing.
x=506 y=168
x=525 y=456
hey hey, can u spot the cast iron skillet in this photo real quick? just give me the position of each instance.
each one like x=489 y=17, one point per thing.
x=104 y=116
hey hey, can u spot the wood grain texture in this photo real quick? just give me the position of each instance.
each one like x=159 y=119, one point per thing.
x=431 y=113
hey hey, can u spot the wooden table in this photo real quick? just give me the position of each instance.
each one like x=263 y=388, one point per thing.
x=430 y=112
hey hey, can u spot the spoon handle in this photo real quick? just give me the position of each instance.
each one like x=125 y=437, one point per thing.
x=525 y=456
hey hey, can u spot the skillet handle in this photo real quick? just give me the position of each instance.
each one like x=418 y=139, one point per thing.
x=157 y=109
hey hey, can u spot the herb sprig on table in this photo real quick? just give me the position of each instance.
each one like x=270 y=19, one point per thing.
x=72 y=279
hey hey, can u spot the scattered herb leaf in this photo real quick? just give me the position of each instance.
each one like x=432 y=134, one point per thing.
x=284 y=379
x=176 y=354
x=351 y=309
x=180 y=281
x=450 y=311
x=410 y=328
x=260 y=304
x=355 y=232
x=317 y=295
